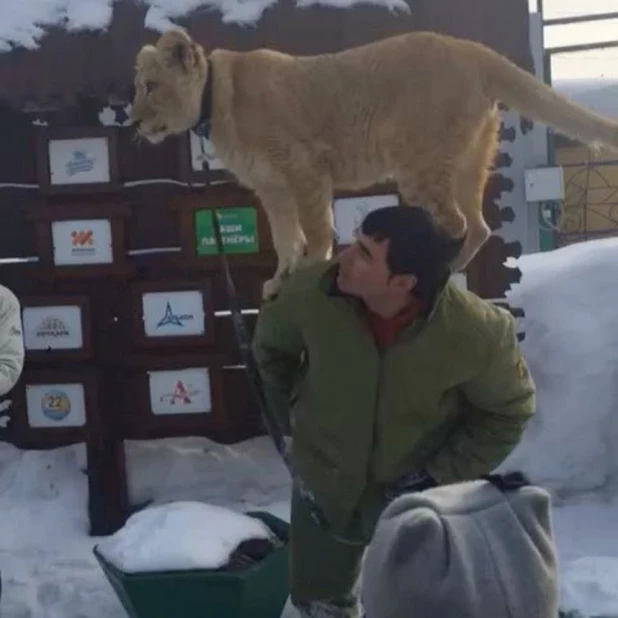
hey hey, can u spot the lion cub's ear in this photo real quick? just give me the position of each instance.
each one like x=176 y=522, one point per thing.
x=177 y=50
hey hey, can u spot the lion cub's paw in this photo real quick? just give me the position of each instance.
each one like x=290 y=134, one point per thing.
x=271 y=288
x=309 y=260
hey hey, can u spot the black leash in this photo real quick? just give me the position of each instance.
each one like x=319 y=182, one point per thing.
x=271 y=423
x=244 y=345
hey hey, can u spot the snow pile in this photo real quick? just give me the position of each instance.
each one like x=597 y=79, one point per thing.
x=23 y=23
x=585 y=532
x=180 y=536
x=570 y=298
x=590 y=586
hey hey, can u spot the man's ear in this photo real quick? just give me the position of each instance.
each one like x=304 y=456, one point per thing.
x=177 y=50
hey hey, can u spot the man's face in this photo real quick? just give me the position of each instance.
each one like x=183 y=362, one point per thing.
x=364 y=272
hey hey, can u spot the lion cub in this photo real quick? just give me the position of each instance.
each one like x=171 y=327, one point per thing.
x=420 y=109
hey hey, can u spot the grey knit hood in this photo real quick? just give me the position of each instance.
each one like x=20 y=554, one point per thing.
x=468 y=550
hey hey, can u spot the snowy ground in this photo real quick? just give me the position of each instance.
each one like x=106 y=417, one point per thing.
x=570 y=298
x=48 y=569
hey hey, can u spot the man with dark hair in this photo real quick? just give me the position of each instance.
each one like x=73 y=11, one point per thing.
x=390 y=379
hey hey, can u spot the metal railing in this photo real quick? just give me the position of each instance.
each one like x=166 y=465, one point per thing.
x=589 y=209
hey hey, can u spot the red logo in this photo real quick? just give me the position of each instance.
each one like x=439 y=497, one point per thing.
x=180 y=394
x=82 y=238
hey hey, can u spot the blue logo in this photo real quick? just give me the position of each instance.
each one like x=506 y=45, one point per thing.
x=80 y=163
x=173 y=319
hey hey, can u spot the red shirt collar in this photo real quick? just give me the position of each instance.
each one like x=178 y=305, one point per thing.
x=385 y=330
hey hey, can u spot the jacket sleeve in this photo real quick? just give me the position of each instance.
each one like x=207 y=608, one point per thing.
x=499 y=402
x=277 y=347
x=11 y=341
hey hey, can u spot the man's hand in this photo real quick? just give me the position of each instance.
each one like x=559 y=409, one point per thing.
x=499 y=400
x=417 y=481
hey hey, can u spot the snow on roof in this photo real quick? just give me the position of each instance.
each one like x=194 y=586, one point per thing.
x=24 y=23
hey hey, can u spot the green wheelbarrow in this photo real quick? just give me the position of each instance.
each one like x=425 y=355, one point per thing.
x=259 y=590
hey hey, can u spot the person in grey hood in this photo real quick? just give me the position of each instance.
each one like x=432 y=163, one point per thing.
x=11 y=341
x=477 y=549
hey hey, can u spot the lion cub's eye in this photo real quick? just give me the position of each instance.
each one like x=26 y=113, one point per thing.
x=149 y=86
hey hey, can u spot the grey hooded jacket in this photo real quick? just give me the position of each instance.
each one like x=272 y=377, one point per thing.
x=463 y=551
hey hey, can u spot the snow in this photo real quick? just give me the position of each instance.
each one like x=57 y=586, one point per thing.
x=570 y=298
x=180 y=536
x=48 y=568
x=591 y=585
x=585 y=530
x=23 y=24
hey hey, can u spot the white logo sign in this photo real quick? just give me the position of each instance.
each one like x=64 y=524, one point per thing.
x=183 y=391
x=349 y=213
x=82 y=241
x=53 y=327
x=56 y=405
x=79 y=161
x=173 y=314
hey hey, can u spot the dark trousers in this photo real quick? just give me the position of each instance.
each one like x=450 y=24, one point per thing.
x=324 y=570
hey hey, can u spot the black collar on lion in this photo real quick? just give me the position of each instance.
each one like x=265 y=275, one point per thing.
x=202 y=126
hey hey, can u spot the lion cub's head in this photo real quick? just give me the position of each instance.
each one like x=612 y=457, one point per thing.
x=169 y=80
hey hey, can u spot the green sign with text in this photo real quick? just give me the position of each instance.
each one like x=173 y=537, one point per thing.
x=239 y=231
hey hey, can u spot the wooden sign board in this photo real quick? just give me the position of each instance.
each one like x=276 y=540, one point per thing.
x=77 y=160
x=173 y=313
x=55 y=407
x=81 y=239
x=56 y=327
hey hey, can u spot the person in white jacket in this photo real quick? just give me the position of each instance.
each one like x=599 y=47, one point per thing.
x=12 y=350
x=11 y=341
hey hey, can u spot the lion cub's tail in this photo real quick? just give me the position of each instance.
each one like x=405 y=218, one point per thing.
x=521 y=91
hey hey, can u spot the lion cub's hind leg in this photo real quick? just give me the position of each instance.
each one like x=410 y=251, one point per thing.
x=287 y=236
x=471 y=181
x=316 y=218
x=477 y=234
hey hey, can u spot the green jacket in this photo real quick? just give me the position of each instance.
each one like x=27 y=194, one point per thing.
x=452 y=395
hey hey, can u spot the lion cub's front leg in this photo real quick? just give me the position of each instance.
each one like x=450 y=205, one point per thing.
x=287 y=236
x=316 y=218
